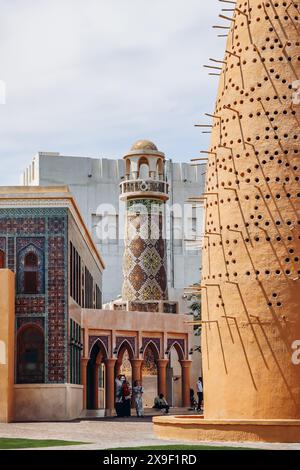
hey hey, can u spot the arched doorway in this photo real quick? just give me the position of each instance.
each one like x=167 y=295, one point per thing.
x=96 y=377
x=30 y=355
x=150 y=374
x=125 y=355
x=174 y=376
x=124 y=364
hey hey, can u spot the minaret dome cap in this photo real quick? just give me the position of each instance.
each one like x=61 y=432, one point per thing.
x=145 y=148
x=144 y=145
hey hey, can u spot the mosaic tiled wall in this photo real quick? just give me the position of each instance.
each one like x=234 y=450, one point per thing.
x=44 y=232
x=144 y=264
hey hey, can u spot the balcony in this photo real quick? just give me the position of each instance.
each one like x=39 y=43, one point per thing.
x=153 y=306
x=144 y=188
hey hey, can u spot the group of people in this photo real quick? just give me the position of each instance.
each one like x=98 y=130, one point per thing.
x=197 y=404
x=125 y=393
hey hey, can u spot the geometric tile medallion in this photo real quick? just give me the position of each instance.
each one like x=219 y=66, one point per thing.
x=144 y=262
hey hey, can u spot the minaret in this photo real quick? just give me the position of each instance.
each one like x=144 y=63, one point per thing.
x=145 y=191
x=251 y=269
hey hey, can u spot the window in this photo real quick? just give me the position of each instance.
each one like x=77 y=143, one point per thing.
x=30 y=365
x=98 y=297
x=2 y=259
x=31 y=269
x=83 y=289
x=75 y=275
x=75 y=352
x=89 y=289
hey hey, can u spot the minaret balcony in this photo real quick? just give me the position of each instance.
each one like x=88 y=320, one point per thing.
x=145 y=189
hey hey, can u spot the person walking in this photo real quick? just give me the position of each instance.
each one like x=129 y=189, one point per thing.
x=200 y=393
x=138 y=391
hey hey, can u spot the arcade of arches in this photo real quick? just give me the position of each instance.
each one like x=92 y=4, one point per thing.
x=160 y=362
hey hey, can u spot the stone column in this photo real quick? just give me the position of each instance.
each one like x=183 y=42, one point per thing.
x=118 y=368
x=162 y=376
x=185 y=382
x=136 y=368
x=110 y=386
x=84 y=363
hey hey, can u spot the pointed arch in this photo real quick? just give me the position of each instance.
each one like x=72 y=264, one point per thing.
x=153 y=346
x=101 y=346
x=176 y=345
x=97 y=356
x=30 y=270
x=150 y=373
x=125 y=345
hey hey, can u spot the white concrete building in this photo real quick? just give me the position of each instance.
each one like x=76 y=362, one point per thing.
x=95 y=184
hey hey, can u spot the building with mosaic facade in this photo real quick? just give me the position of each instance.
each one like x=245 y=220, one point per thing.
x=67 y=349
x=45 y=243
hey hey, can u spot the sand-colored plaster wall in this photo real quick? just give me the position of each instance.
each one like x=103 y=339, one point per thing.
x=48 y=402
x=193 y=428
x=135 y=321
x=7 y=321
x=251 y=284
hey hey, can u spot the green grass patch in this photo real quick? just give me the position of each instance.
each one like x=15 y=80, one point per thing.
x=11 y=443
x=183 y=447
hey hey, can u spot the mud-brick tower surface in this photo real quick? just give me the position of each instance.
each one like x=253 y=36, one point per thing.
x=251 y=271
x=145 y=192
x=251 y=268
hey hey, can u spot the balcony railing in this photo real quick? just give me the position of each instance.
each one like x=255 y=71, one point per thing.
x=144 y=186
x=154 y=306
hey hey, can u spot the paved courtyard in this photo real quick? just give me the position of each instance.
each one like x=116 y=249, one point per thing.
x=108 y=433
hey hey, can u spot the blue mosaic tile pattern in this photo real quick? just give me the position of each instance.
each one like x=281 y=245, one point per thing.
x=45 y=230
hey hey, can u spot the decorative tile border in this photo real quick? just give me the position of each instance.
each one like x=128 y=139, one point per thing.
x=155 y=341
x=130 y=340
x=46 y=229
x=30 y=304
x=31 y=320
x=102 y=339
x=181 y=344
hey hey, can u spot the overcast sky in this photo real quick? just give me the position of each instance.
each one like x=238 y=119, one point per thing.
x=89 y=77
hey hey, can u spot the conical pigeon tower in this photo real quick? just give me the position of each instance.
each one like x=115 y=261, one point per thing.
x=251 y=268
